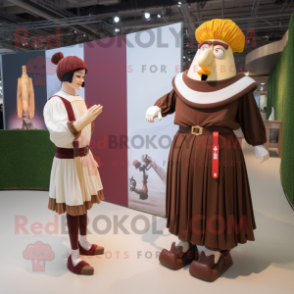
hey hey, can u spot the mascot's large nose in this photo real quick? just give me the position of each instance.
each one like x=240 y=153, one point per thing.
x=205 y=58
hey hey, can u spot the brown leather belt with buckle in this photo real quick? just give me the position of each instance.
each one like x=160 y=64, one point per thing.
x=198 y=130
x=69 y=152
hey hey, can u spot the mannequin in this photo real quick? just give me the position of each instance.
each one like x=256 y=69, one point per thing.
x=75 y=183
x=25 y=99
x=208 y=199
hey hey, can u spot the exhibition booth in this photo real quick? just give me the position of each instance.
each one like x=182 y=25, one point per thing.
x=146 y=159
x=119 y=70
x=125 y=78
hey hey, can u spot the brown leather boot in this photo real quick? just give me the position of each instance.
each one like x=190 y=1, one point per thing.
x=176 y=258
x=206 y=269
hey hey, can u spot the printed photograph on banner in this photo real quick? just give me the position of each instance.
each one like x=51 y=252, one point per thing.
x=24 y=90
x=153 y=68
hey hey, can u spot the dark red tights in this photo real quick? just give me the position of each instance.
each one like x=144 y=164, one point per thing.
x=73 y=224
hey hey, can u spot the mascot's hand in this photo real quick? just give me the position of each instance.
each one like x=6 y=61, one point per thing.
x=152 y=112
x=261 y=153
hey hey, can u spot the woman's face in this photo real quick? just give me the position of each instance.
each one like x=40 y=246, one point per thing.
x=78 y=79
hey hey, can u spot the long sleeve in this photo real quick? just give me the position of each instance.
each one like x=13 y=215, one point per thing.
x=56 y=120
x=167 y=103
x=250 y=120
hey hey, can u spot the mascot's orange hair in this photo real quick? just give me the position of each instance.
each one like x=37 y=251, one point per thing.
x=222 y=29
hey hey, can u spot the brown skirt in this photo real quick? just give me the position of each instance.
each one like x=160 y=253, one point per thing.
x=61 y=208
x=215 y=213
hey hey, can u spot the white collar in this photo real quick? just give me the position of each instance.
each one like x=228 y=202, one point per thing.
x=214 y=96
x=68 y=97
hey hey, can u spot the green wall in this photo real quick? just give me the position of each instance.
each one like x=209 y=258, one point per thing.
x=26 y=158
x=281 y=97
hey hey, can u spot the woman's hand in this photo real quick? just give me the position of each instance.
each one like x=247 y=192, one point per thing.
x=93 y=112
x=88 y=117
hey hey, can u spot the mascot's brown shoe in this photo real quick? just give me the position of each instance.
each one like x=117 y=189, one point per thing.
x=176 y=258
x=206 y=269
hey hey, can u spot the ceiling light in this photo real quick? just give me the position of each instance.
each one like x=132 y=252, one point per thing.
x=158 y=16
x=147 y=15
x=262 y=83
x=179 y=4
x=116 y=19
x=117 y=30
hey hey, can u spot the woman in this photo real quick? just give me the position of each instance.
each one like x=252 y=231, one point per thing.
x=75 y=183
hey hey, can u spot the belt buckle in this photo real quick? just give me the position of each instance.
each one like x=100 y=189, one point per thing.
x=86 y=150
x=199 y=132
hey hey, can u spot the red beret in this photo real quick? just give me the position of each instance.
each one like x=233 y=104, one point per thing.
x=67 y=64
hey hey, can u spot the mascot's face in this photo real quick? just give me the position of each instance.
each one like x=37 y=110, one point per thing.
x=213 y=61
x=78 y=79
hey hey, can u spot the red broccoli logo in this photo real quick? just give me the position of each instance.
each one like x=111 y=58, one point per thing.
x=39 y=253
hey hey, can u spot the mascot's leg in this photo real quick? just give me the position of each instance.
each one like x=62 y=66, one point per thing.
x=185 y=245
x=85 y=247
x=179 y=255
x=74 y=263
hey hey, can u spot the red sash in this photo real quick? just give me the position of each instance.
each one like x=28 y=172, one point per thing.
x=215 y=155
x=71 y=117
x=68 y=107
x=76 y=151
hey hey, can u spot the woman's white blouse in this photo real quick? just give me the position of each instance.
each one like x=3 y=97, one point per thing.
x=64 y=181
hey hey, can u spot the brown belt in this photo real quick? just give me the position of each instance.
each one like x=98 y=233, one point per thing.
x=69 y=152
x=198 y=130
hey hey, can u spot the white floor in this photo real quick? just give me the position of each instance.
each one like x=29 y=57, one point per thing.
x=130 y=264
